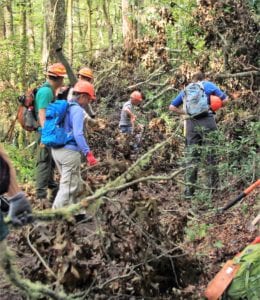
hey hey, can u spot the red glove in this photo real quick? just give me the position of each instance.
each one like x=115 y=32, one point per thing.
x=91 y=159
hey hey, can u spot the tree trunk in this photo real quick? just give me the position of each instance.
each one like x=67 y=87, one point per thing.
x=8 y=13
x=23 y=44
x=129 y=25
x=70 y=30
x=78 y=18
x=2 y=24
x=90 y=27
x=109 y=25
x=30 y=27
x=55 y=19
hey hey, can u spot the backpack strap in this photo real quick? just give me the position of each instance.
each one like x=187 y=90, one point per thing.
x=200 y=83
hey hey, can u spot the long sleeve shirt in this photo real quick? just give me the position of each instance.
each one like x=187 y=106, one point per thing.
x=74 y=123
x=209 y=88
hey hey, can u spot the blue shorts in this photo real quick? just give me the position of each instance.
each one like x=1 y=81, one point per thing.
x=126 y=129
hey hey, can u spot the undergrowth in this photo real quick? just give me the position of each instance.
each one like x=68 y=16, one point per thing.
x=23 y=161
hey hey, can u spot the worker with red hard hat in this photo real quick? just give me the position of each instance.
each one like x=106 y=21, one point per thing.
x=68 y=157
x=128 y=117
x=86 y=74
x=46 y=186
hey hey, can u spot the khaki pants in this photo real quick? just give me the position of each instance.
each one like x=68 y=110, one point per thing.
x=68 y=164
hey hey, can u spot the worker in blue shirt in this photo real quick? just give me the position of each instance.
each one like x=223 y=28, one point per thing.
x=199 y=120
x=67 y=158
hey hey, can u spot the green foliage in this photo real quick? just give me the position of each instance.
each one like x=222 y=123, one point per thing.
x=196 y=231
x=232 y=161
x=24 y=162
x=218 y=244
x=255 y=5
x=202 y=198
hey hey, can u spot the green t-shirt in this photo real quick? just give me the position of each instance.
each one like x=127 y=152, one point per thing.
x=44 y=96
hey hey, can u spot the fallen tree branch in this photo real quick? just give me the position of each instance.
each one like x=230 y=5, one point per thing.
x=135 y=169
x=149 y=178
x=101 y=76
x=33 y=290
x=116 y=185
x=195 y=185
x=156 y=73
x=241 y=74
x=169 y=88
x=38 y=254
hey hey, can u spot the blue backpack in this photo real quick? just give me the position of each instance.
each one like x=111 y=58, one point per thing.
x=195 y=99
x=53 y=134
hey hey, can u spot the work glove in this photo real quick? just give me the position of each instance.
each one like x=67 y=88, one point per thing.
x=91 y=159
x=20 y=212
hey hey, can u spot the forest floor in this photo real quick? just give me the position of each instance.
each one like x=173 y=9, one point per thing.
x=144 y=242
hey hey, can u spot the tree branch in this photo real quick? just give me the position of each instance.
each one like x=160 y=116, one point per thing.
x=121 y=182
x=156 y=73
x=168 y=88
x=33 y=290
x=38 y=254
x=241 y=74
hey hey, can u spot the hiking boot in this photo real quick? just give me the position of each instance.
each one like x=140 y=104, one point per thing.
x=52 y=192
x=43 y=203
x=82 y=218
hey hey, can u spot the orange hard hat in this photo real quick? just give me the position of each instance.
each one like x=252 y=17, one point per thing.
x=86 y=72
x=136 y=96
x=215 y=103
x=56 y=70
x=85 y=87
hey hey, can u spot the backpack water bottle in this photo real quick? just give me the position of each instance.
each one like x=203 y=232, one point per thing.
x=30 y=119
x=195 y=100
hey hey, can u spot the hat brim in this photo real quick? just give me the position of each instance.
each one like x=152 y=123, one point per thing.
x=55 y=75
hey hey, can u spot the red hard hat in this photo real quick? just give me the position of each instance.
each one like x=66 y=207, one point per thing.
x=85 y=87
x=86 y=72
x=215 y=103
x=136 y=95
x=56 y=70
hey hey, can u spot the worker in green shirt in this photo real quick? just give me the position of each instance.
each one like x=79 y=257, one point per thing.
x=45 y=164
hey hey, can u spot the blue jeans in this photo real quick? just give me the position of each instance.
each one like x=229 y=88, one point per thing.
x=126 y=129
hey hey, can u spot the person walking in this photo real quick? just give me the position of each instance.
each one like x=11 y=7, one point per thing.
x=44 y=162
x=199 y=121
x=68 y=158
x=128 y=116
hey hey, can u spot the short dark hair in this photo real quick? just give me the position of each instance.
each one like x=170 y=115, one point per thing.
x=54 y=78
x=199 y=76
x=89 y=79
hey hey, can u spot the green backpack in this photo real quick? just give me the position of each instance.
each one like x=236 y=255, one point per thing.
x=246 y=283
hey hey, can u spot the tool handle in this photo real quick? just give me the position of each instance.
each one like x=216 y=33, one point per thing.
x=252 y=187
x=242 y=195
x=233 y=202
